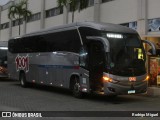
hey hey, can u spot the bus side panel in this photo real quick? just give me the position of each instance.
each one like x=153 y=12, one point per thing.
x=52 y=76
x=32 y=75
x=59 y=65
x=40 y=71
x=12 y=71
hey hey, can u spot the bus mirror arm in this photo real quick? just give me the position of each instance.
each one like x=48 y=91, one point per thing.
x=101 y=39
x=152 y=45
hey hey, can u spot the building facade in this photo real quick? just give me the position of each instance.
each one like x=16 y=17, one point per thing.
x=141 y=15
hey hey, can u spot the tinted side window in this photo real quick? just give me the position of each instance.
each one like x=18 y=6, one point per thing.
x=63 y=41
x=25 y=45
x=60 y=41
x=11 y=46
x=34 y=44
x=15 y=45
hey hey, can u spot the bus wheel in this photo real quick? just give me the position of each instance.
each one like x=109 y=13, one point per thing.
x=76 y=88
x=22 y=79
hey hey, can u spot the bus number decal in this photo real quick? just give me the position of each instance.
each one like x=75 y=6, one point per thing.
x=22 y=63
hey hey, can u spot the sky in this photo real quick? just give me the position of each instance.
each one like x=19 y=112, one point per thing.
x=2 y=2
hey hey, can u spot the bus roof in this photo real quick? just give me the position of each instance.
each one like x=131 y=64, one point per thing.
x=99 y=26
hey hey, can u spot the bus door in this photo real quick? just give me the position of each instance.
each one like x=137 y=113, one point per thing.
x=96 y=64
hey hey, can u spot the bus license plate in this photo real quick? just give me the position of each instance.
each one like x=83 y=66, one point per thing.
x=131 y=91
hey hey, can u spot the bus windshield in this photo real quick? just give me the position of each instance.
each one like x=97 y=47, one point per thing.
x=126 y=56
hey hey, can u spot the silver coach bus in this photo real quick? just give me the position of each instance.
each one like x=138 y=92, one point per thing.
x=85 y=57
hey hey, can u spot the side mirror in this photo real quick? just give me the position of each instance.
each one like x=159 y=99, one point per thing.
x=101 y=39
x=153 y=47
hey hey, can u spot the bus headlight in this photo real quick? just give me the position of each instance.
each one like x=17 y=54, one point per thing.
x=147 y=78
x=107 y=79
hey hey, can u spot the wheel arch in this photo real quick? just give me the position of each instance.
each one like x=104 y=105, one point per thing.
x=21 y=72
x=71 y=80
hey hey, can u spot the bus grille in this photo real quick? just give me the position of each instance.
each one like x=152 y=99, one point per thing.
x=128 y=83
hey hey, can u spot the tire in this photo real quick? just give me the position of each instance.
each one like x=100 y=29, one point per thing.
x=22 y=79
x=75 y=87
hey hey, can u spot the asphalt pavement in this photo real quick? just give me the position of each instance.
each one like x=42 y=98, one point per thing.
x=49 y=99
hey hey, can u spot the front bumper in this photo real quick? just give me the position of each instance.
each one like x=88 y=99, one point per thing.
x=118 y=89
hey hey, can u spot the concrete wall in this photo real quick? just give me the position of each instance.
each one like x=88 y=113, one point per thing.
x=4 y=35
x=153 y=9
x=49 y=4
x=54 y=21
x=34 y=6
x=33 y=26
x=84 y=15
x=15 y=30
x=118 y=11
x=4 y=16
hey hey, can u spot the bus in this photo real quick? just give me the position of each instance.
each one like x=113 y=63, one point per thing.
x=85 y=57
x=3 y=59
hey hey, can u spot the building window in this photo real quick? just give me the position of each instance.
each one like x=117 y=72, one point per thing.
x=132 y=25
x=5 y=25
x=54 y=12
x=103 y=1
x=91 y=3
x=154 y=25
x=34 y=17
x=15 y=22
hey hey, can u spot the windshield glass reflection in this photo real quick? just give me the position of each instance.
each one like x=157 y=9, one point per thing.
x=126 y=57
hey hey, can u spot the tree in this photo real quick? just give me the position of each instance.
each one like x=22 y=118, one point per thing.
x=74 y=5
x=19 y=12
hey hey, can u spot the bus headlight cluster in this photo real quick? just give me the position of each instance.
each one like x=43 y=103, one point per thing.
x=147 y=78
x=107 y=79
